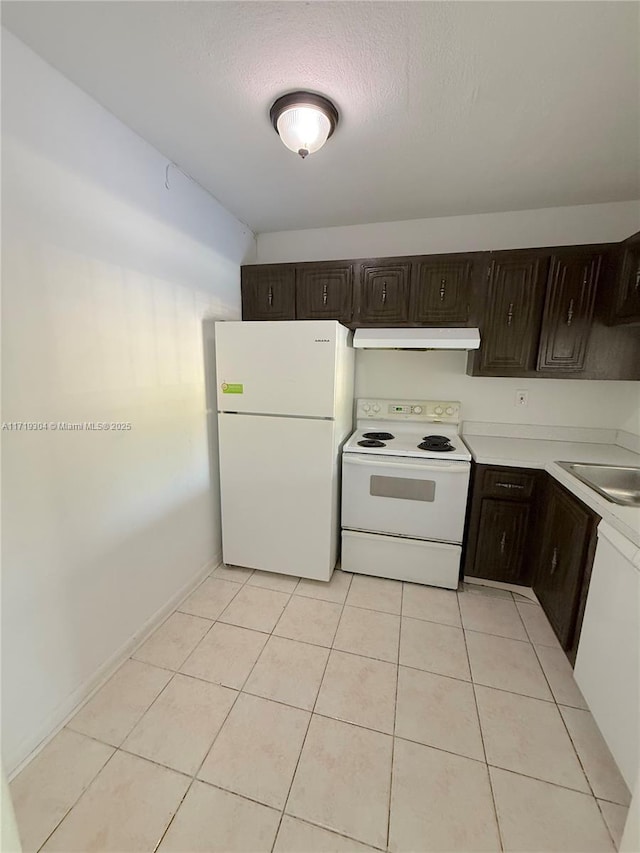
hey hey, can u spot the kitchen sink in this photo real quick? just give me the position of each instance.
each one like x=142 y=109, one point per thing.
x=617 y=483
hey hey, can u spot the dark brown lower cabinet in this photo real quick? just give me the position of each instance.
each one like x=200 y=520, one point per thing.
x=524 y=528
x=563 y=569
x=501 y=524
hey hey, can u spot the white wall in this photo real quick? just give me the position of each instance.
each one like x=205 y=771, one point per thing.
x=442 y=375
x=107 y=277
x=556 y=226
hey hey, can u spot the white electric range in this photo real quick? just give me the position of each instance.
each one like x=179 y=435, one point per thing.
x=405 y=478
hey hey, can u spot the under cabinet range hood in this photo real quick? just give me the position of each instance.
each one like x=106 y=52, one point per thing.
x=422 y=338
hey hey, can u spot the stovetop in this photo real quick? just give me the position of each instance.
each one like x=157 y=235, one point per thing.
x=410 y=428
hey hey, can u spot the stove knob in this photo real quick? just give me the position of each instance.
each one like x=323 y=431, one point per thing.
x=449 y=410
x=417 y=410
x=366 y=407
x=376 y=408
x=438 y=410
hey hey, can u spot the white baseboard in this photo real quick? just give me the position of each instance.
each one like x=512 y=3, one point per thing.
x=66 y=710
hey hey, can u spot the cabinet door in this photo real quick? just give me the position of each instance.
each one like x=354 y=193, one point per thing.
x=384 y=293
x=626 y=308
x=325 y=293
x=268 y=293
x=441 y=291
x=560 y=570
x=501 y=549
x=509 y=335
x=568 y=311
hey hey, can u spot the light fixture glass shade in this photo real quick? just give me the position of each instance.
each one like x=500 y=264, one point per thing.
x=304 y=121
x=304 y=129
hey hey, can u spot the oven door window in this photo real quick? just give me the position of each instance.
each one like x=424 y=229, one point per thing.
x=402 y=487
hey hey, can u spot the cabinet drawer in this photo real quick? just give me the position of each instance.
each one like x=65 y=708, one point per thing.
x=514 y=485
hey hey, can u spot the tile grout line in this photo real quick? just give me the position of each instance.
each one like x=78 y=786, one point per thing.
x=564 y=724
x=484 y=750
x=604 y=820
x=591 y=791
x=194 y=777
x=175 y=673
x=94 y=692
x=242 y=689
x=304 y=740
x=76 y=801
x=547 y=782
x=344 y=604
x=118 y=748
x=208 y=618
x=470 y=630
x=339 y=832
x=395 y=715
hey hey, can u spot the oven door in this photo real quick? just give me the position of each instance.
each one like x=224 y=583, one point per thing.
x=424 y=499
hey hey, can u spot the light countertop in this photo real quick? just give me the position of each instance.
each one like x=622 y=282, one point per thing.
x=543 y=454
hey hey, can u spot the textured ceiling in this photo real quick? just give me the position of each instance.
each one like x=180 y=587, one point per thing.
x=446 y=108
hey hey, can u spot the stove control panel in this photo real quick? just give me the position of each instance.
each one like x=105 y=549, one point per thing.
x=433 y=411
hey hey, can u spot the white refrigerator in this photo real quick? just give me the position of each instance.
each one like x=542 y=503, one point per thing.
x=285 y=407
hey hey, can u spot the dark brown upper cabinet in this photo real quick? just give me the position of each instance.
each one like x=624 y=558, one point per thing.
x=325 y=293
x=568 y=310
x=566 y=552
x=509 y=334
x=441 y=291
x=383 y=294
x=268 y=292
x=626 y=301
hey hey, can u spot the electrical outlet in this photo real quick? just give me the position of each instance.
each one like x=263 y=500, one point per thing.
x=522 y=398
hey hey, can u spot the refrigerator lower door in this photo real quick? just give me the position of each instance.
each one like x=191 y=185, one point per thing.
x=279 y=494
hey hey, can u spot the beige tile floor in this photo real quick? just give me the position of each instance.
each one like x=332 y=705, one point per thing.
x=268 y=714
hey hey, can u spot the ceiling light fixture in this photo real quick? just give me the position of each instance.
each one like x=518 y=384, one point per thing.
x=303 y=121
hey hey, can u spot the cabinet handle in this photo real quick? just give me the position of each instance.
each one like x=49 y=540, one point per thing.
x=270 y=296
x=443 y=289
x=503 y=541
x=510 y=314
x=324 y=294
x=554 y=560
x=570 y=313
x=384 y=292
x=510 y=485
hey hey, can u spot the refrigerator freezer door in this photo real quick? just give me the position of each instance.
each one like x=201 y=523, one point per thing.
x=279 y=487
x=286 y=368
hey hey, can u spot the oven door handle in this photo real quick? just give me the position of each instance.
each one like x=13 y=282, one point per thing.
x=449 y=467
